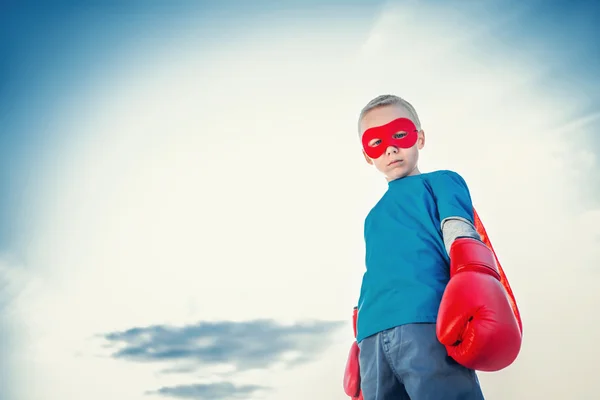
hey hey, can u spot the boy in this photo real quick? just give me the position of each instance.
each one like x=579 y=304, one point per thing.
x=420 y=238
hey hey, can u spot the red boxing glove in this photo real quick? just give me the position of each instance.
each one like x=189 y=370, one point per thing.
x=476 y=320
x=352 y=372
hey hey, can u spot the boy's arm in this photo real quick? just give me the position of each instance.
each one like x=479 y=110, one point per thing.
x=455 y=208
x=455 y=227
x=475 y=320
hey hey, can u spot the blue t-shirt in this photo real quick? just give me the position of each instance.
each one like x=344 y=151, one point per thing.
x=407 y=263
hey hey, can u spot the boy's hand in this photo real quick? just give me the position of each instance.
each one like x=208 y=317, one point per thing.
x=352 y=372
x=476 y=322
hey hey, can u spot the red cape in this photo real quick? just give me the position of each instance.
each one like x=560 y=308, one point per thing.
x=511 y=297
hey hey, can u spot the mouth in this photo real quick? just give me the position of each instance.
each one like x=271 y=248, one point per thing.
x=395 y=162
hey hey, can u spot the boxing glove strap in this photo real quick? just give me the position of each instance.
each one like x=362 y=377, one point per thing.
x=470 y=254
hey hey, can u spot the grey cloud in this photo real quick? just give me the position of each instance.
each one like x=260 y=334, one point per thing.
x=10 y=289
x=213 y=391
x=5 y=347
x=581 y=133
x=245 y=345
x=591 y=185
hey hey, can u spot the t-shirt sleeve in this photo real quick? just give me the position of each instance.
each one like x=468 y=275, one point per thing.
x=452 y=197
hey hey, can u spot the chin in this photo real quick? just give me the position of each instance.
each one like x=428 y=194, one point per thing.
x=396 y=175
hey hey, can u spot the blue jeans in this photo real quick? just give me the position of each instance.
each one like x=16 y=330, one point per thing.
x=409 y=363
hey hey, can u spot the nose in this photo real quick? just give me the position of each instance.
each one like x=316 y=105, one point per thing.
x=391 y=150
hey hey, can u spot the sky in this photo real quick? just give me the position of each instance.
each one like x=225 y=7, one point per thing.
x=183 y=193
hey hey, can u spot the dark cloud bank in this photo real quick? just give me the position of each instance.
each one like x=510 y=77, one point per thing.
x=223 y=390
x=246 y=345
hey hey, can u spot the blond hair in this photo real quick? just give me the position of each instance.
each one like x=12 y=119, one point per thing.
x=390 y=100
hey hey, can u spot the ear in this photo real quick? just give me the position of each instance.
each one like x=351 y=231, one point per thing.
x=367 y=158
x=421 y=139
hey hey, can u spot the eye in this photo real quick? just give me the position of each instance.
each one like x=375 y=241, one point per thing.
x=375 y=142
x=399 y=135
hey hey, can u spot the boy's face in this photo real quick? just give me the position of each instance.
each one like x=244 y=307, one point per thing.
x=395 y=162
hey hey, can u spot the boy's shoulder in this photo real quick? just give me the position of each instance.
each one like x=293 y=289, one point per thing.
x=443 y=174
x=445 y=180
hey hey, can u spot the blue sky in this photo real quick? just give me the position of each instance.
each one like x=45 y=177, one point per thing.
x=105 y=106
x=53 y=49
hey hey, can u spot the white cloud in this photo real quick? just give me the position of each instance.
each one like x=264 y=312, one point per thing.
x=229 y=185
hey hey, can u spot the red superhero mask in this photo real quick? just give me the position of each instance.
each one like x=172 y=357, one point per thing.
x=400 y=132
